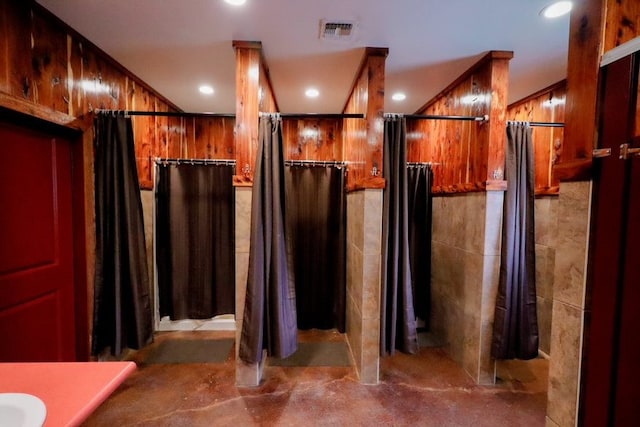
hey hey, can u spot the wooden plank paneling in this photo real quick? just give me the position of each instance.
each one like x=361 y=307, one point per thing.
x=585 y=48
x=467 y=155
x=49 y=64
x=363 y=138
x=622 y=23
x=266 y=96
x=248 y=63
x=45 y=62
x=313 y=139
x=16 y=56
x=546 y=105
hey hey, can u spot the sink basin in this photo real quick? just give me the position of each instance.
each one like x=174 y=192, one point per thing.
x=21 y=410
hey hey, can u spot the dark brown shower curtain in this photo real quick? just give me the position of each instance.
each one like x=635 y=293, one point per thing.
x=122 y=306
x=195 y=240
x=269 y=320
x=420 y=179
x=398 y=321
x=515 y=326
x=316 y=222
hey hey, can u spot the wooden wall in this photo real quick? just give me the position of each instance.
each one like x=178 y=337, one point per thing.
x=467 y=156
x=254 y=95
x=46 y=63
x=597 y=26
x=313 y=139
x=546 y=105
x=363 y=138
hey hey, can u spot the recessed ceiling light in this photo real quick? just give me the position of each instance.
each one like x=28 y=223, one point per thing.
x=398 y=96
x=236 y=2
x=206 y=90
x=312 y=92
x=556 y=9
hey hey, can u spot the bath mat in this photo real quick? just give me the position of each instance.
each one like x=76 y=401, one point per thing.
x=191 y=351
x=427 y=339
x=317 y=354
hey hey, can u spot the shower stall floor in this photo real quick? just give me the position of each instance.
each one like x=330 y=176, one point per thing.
x=426 y=389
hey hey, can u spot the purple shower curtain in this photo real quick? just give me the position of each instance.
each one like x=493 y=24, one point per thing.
x=195 y=240
x=398 y=321
x=316 y=222
x=515 y=326
x=420 y=179
x=122 y=305
x=269 y=320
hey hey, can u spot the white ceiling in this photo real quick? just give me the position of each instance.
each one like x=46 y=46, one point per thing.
x=176 y=45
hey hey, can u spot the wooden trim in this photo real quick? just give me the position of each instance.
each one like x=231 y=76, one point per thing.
x=85 y=242
x=368 y=184
x=267 y=76
x=561 y=85
x=368 y=52
x=496 y=185
x=547 y=192
x=619 y=52
x=579 y=170
x=31 y=109
x=242 y=181
x=459 y=188
x=247 y=44
x=488 y=57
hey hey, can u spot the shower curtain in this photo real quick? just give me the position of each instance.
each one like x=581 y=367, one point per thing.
x=419 y=182
x=398 y=321
x=195 y=240
x=122 y=306
x=316 y=217
x=515 y=326
x=269 y=320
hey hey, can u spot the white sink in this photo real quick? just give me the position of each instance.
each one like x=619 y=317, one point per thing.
x=21 y=410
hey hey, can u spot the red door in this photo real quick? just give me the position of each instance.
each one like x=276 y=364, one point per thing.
x=37 y=320
x=612 y=372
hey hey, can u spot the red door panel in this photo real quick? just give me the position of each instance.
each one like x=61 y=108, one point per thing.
x=607 y=232
x=37 y=321
x=627 y=396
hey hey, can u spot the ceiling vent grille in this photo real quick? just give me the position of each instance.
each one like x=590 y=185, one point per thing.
x=337 y=30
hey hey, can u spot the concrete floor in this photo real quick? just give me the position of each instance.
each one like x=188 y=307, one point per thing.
x=426 y=389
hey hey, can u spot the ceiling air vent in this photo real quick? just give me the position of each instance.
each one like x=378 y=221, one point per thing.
x=337 y=30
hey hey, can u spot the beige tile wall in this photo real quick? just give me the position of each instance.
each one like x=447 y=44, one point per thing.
x=546 y=213
x=568 y=303
x=364 y=234
x=465 y=268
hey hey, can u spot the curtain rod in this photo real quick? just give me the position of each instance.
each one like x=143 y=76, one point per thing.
x=315 y=115
x=335 y=163
x=484 y=118
x=539 y=124
x=165 y=162
x=546 y=124
x=164 y=113
x=418 y=164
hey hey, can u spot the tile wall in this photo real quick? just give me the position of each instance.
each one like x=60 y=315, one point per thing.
x=568 y=302
x=465 y=271
x=364 y=235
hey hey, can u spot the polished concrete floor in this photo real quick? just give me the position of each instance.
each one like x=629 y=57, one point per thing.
x=425 y=389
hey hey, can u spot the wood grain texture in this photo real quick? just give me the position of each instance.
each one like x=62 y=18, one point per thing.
x=313 y=139
x=363 y=138
x=49 y=70
x=248 y=63
x=466 y=155
x=546 y=105
x=622 y=22
x=585 y=48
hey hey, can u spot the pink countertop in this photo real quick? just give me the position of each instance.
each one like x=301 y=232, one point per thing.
x=71 y=391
